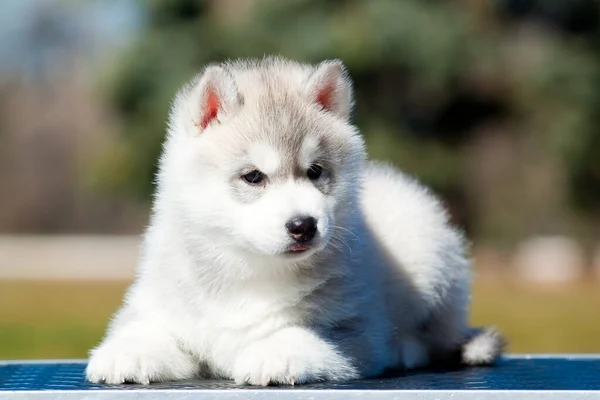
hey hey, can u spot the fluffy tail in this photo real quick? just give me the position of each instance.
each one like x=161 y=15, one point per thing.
x=484 y=347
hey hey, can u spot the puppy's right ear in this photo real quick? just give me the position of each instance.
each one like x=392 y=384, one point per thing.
x=214 y=96
x=331 y=88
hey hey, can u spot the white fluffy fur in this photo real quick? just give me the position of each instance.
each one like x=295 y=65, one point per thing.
x=483 y=347
x=385 y=283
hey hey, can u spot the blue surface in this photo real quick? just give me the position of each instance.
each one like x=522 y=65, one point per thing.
x=509 y=374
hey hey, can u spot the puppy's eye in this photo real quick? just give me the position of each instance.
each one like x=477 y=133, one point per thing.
x=254 y=177
x=314 y=172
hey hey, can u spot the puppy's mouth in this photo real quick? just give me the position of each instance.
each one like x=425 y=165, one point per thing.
x=298 y=248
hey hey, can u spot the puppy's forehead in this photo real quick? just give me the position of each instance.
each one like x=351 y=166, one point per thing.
x=272 y=156
x=265 y=157
x=285 y=136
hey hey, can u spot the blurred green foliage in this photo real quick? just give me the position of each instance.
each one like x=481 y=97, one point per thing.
x=432 y=78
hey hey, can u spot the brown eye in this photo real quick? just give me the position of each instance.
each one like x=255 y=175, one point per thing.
x=253 y=177
x=314 y=172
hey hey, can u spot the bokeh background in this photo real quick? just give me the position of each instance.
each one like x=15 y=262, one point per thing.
x=494 y=104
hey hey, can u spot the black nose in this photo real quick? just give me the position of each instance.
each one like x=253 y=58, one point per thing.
x=302 y=229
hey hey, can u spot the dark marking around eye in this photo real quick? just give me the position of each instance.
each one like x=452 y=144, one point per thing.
x=314 y=172
x=253 y=177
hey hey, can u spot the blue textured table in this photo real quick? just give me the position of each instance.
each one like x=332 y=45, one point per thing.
x=517 y=377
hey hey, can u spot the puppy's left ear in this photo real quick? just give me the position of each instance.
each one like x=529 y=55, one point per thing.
x=331 y=88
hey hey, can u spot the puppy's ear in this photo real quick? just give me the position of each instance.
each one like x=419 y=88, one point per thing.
x=331 y=88
x=214 y=96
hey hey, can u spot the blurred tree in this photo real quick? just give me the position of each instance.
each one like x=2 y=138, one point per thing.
x=487 y=102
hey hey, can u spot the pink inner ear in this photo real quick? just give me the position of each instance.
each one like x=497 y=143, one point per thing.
x=211 y=107
x=325 y=96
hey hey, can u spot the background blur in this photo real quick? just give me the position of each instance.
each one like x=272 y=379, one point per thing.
x=495 y=104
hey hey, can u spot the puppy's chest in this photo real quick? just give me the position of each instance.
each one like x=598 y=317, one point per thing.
x=243 y=305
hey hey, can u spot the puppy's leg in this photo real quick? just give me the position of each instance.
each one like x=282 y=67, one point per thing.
x=292 y=355
x=138 y=350
x=453 y=342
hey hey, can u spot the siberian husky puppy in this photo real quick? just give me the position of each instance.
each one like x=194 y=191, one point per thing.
x=276 y=254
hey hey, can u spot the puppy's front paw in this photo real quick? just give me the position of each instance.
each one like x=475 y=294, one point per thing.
x=291 y=356
x=121 y=361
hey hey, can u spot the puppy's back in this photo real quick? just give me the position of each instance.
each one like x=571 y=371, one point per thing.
x=412 y=227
